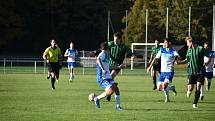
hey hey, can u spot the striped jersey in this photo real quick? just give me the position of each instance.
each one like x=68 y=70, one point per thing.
x=195 y=58
x=155 y=50
x=167 y=56
x=71 y=54
x=117 y=53
x=53 y=54
x=104 y=56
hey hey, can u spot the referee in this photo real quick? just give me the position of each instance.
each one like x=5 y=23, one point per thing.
x=52 y=55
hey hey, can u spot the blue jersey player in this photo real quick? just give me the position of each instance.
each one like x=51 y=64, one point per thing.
x=167 y=56
x=71 y=55
x=104 y=78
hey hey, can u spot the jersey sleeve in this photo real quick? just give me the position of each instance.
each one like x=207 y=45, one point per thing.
x=158 y=54
x=176 y=54
x=46 y=51
x=128 y=51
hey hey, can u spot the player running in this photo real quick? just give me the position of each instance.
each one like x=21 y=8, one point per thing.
x=195 y=58
x=156 y=65
x=168 y=55
x=71 y=55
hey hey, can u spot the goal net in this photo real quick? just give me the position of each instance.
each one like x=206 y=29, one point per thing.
x=142 y=52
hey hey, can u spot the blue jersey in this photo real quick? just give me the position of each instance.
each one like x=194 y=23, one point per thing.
x=104 y=56
x=71 y=54
x=167 y=59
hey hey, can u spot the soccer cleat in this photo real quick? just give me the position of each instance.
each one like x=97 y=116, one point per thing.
x=119 y=108
x=57 y=80
x=188 y=93
x=97 y=102
x=108 y=98
x=174 y=92
x=195 y=106
x=154 y=88
x=53 y=88
x=202 y=98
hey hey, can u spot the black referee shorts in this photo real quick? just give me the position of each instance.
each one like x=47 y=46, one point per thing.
x=53 y=67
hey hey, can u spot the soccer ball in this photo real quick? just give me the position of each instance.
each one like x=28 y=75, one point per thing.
x=91 y=96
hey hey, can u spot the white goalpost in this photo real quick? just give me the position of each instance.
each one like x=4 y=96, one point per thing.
x=145 y=54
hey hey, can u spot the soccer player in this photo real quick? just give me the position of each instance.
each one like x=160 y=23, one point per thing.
x=156 y=65
x=168 y=55
x=104 y=78
x=53 y=55
x=208 y=70
x=195 y=58
x=71 y=55
x=117 y=49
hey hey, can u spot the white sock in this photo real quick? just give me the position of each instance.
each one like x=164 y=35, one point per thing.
x=202 y=90
x=166 y=93
x=117 y=97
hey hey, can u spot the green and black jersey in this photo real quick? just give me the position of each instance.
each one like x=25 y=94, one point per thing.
x=117 y=53
x=195 y=58
x=155 y=50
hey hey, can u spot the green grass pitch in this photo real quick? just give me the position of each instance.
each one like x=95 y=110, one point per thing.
x=28 y=97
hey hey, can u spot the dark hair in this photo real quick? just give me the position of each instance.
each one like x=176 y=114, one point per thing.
x=207 y=43
x=168 y=40
x=104 y=46
x=118 y=35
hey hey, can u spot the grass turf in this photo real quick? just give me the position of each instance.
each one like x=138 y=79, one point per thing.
x=28 y=97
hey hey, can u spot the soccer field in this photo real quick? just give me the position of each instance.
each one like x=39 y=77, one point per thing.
x=28 y=97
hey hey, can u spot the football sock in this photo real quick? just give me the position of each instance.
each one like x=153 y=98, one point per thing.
x=52 y=82
x=202 y=90
x=166 y=93
x=154 y=81
x=102 y=95
x=197 y=95
x=117 y=97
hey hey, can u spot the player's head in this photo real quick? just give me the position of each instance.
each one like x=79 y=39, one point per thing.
x=167 y=43
x=53 y=43
x=71 y=45
x=157 y=42
x=206 y=45
x=117 y=38
x=104 y=46
x=190 y=41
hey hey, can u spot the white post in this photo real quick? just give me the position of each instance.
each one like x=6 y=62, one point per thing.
x=108 y=31
x=167 y=22
x=213 y=34
x=132 y=61
x=189 y=20
x=4 y=65
x=146 y=38
x=126 y=25
x=35 y=67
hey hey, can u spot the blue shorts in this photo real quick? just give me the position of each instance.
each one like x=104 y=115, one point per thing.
x=71 y=65
x=166 y=77
x=106 y=83
x=209 y=75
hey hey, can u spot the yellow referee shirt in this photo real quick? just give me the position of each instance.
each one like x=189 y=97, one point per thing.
x=52 y=54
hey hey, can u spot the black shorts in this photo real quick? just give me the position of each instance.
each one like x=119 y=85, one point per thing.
x=157 y=67
x=53 y=67
x=117 y=70
x=193 y=79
